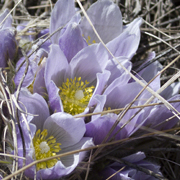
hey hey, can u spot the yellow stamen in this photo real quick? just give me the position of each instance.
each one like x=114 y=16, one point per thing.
x=89 y=39
x=108 y=109
x=75 y=95
x=44 y=148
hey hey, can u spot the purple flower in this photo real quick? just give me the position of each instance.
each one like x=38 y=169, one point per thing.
x=130 y=173
x=159 y=117
x=49 y=136
x=62 y=14
x=70 y=38
x=35 y=65
x=100 y=127
x=122 y=41
x=71 y=87
x=8 y=46
x=119 y=94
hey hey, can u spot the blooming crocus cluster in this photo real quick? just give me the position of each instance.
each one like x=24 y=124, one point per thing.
x=73 y=74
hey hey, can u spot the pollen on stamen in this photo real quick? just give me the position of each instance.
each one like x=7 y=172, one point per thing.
x=45 y=147
x=75 y=95
x=88 y=39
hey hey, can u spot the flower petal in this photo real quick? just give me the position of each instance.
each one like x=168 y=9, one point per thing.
x=54 y=98
x=150 y=72
x=67 y=163
x=120 y=96
x=99 y=101
x=65 y=128
x=127 y=42
x=63 y=11
x=56 y=66
x=33 y=65
x=85 y=142
x=71 y=42
x=34 y=104
x=8 y=22
x=39 y=83
x=29 y=154
x=171 y=90
x=100 y=127
x=116 y=70
x=101 y=14
x=102 y=79
x=101 y=54
x=160 y=118
x=27 y=134
x=8 y=46
x=85 y=65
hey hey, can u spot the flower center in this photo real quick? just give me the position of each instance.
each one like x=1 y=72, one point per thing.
x=44 y=148
x=75 y=95
x=89 y=39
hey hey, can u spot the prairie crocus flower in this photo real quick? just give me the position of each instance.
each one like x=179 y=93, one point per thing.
x=115 y=95
x=71 y=87
x=99 y=127
x=7 y=39
x=70 y=38
x=122 y=41
x=56 y=134
x=35 y=64
x=151 y=71
x=62 y=14
x=130 y=173
x=159 y=117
